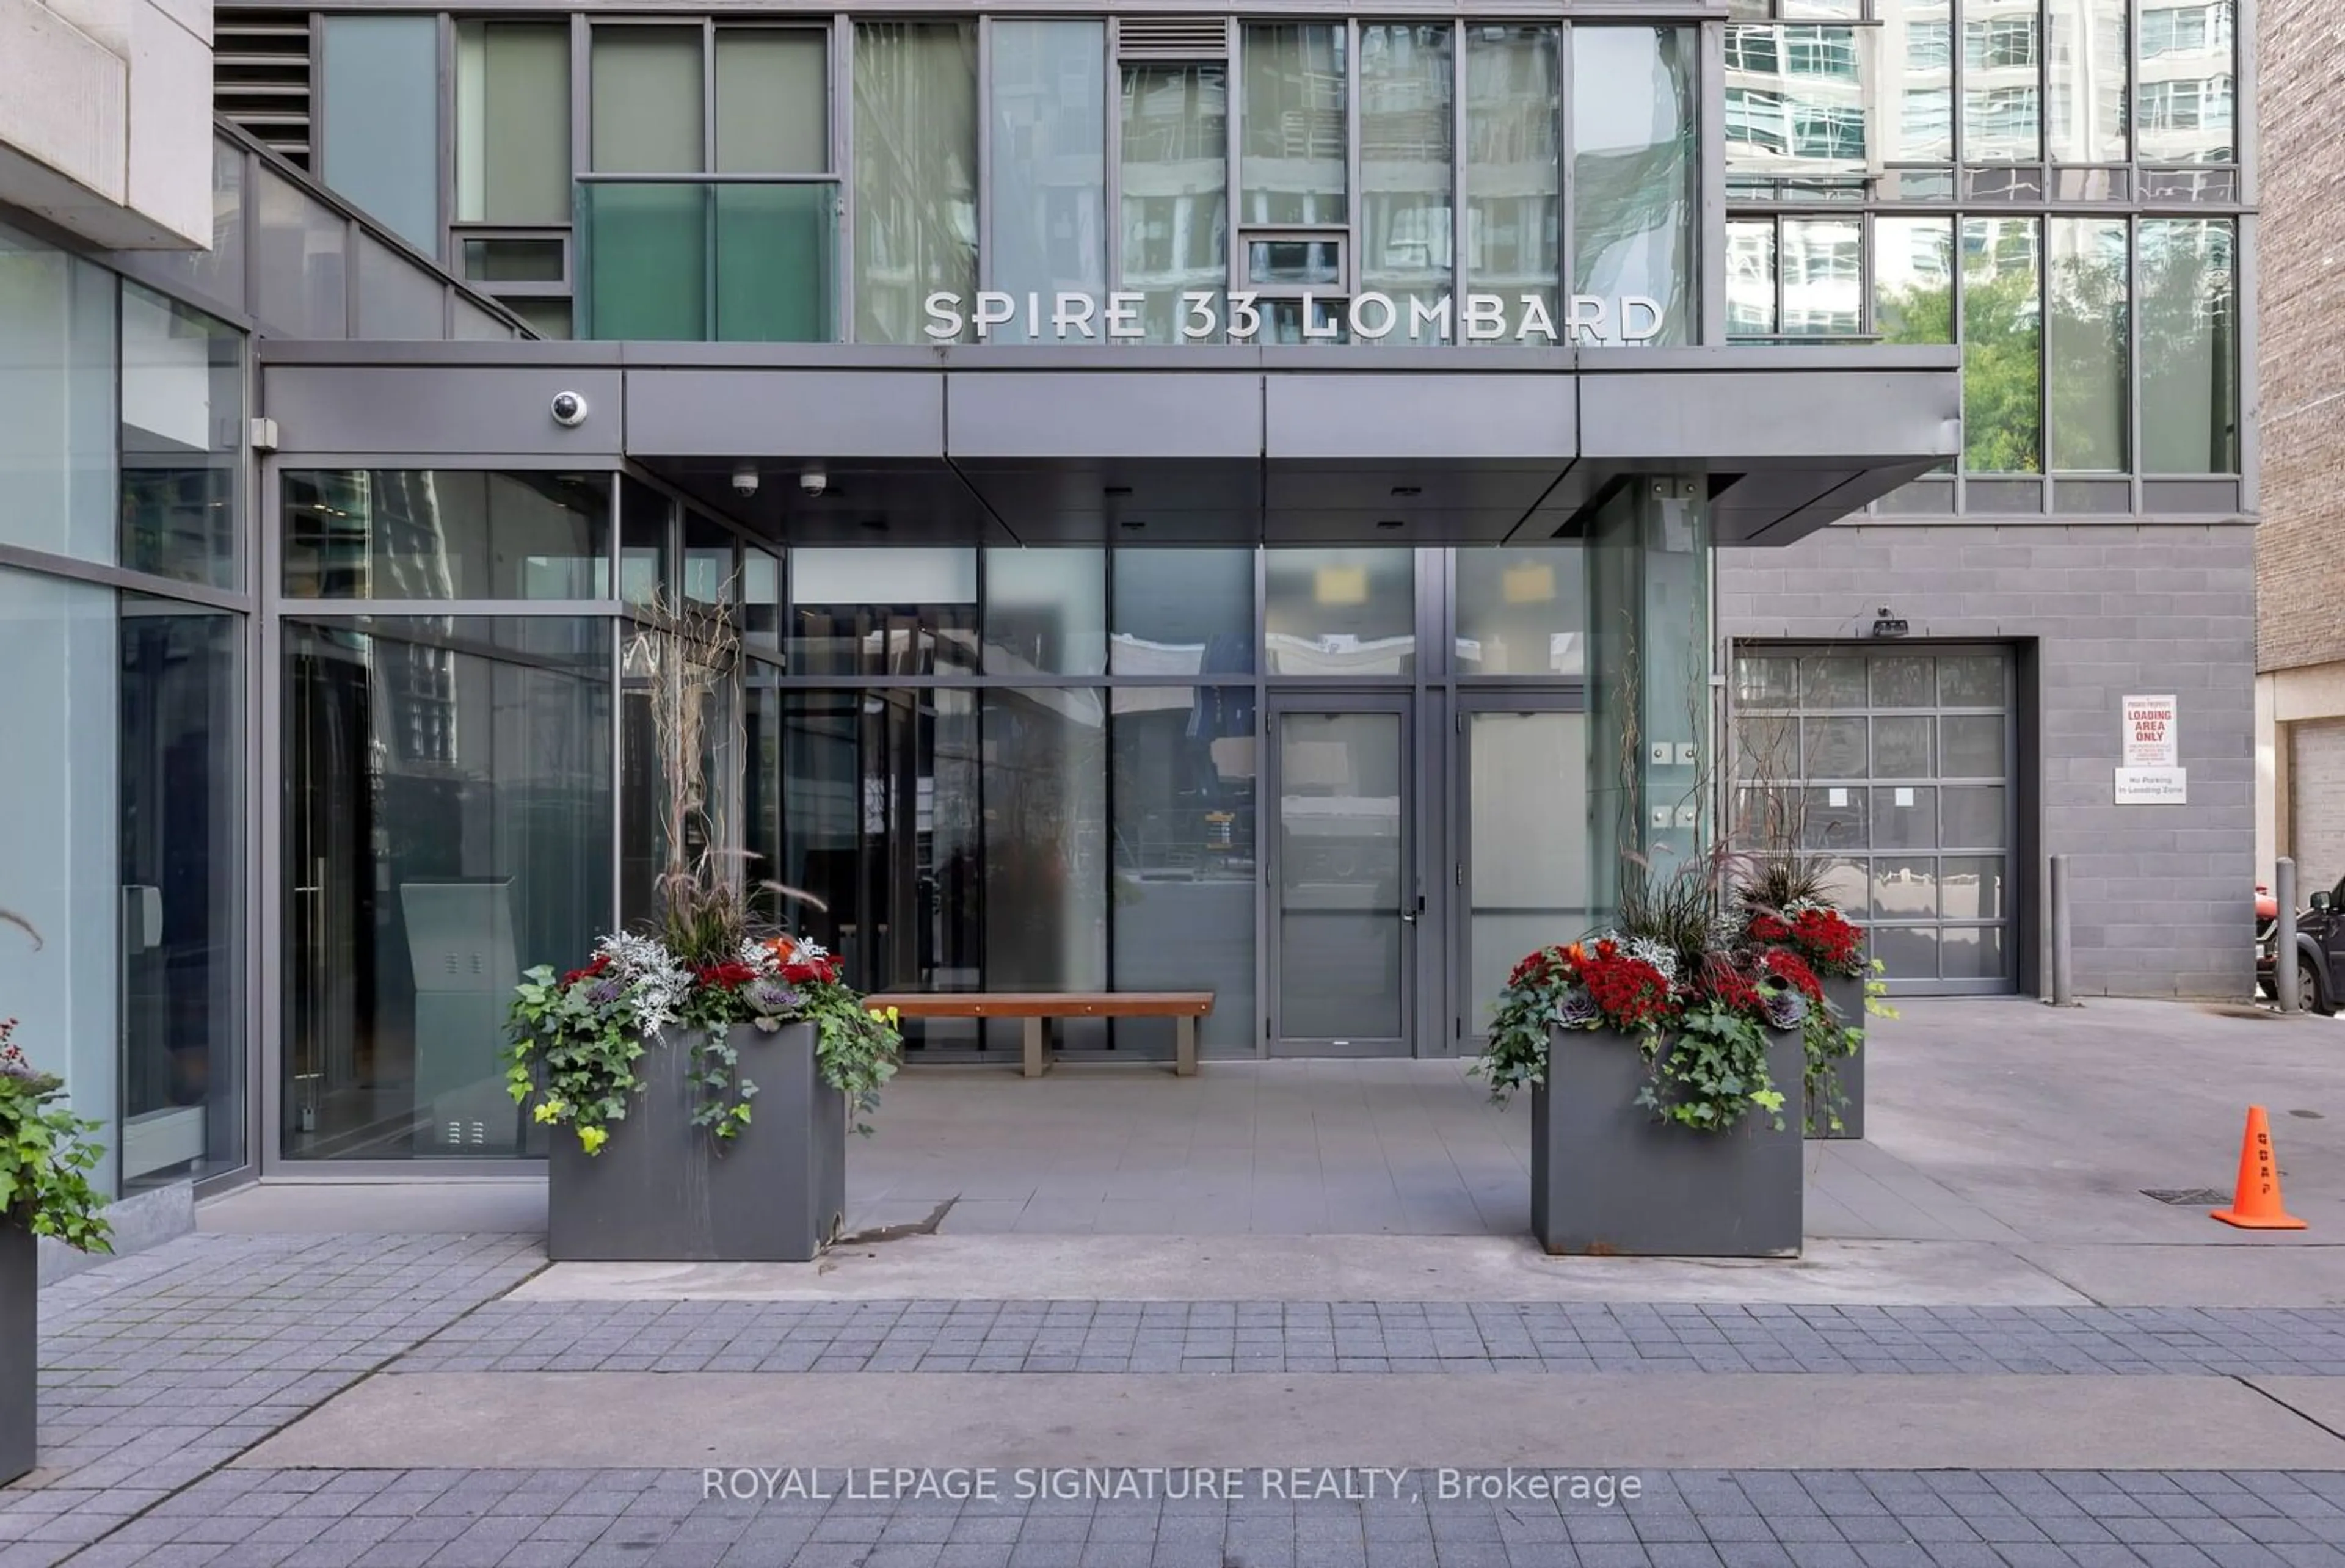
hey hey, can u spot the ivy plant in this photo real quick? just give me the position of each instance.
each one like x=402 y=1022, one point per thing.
x=46 y=1158
x=575 y=1047
x=1711 y=1070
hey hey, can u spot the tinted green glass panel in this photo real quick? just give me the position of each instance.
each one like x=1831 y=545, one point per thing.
x=777 y=248
x=646 y=271
x=513 y=122
x=772 y=101
x=647 y=92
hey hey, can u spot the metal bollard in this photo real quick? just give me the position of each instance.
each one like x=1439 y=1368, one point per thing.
x=2284 y=939
x=2063 y=977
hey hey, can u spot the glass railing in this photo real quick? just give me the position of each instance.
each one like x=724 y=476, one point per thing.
x=708 y=259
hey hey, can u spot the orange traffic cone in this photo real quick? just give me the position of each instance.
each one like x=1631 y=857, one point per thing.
x=2257 y=1206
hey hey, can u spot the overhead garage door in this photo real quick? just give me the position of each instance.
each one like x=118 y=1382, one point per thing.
x=2316 y=803
x=1893 y=767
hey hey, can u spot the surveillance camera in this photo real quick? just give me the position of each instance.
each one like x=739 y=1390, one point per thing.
x=814 y=482
x=569 y=409
x=744 y=480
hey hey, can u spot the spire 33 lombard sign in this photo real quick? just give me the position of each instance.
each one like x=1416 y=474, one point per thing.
x=1588 y=318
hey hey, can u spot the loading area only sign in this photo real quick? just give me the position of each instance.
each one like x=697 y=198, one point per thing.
x=2152 y=772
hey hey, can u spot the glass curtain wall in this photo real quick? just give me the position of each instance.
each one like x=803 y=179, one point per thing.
x=1408 y=122
x=1047 y=173
x=915 y=174
x=122 y=894
x=1174 y=178
x=1633 y=129
x=1513 y=165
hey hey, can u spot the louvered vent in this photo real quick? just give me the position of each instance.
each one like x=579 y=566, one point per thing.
x=260 y=77
x=1172 y=39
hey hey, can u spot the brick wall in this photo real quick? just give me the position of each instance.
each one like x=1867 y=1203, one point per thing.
x=2301 y=303
x=2160 y=895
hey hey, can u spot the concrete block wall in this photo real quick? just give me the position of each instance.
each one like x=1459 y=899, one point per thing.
x=2161 y=897
x=2300 y=369
x=105 y=119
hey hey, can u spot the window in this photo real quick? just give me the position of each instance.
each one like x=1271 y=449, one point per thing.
x=382 y=112
x=1049 y=152
x=915 y=174
x=182 y=439
x=1928 y=46
x=2088 y=80
x=1753 y=49
x=1176 y=189
x=1754 y=118
x=513 y=122
x=1928 y=124
x=2001 y=123
x=1512 y=167
x=1913 y=281
x=2087 y=321
x=1828 y=132
x=1632 y=120
x=1750 y=280
x=1297 y=86
x=2002 y=403
x=2184 y=29
x=57 y=417
x=1999 y=43
x=1827 y=52
x=2190 y=347
x=1407 y=123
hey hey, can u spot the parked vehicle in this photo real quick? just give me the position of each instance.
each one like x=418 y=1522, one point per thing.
x=2319 y=949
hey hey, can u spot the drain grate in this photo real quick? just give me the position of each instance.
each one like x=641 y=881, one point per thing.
x=2186 y=1197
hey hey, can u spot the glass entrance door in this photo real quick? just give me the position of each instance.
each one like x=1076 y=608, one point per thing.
x=1344 y=900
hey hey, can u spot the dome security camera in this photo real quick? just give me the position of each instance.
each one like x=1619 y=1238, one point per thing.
x=569 y=409
x=744 y=480
x=814 y=482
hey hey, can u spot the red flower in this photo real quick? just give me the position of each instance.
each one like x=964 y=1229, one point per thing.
x=727 y=977
x=822 y=971
x=601 y=962
x=1791 y=969
x=1769 y=928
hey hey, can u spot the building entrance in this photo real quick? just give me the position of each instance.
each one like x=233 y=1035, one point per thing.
x=1345 y=899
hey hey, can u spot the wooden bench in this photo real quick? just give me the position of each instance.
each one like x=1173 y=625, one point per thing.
x=1185 y=1007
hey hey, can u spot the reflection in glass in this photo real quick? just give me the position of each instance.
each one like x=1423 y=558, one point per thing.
x=1632 y=121
x=1916 y=122
x=1183 y=896
x=881 y=823
x=1750 y=279
x=2088 y=81
x=1906 y=952
x=1766 y=681
x=1905 y=888
x=1296 y=147
x=1526 y=772
x=301 y=289
x=1832 y=681
x=2002 y=121
x=2184 y=109
x=915 y=173
x=1294 y=261
x=1512 y=167
x=1913 y=279
x=1341 y=611
x=2089 y=286
x=761 y=601
x=1522 y=611
x=1045 y=611
x=2190 y=347
x=448 y=826
x=1834 y=819
x=182 y=439
x=1823 y=263
x=1174 y=173
x=883 y=612
x=1048 y=157
x=1045 y=847
x=181 y=839
x=1341 y=865
x=1796 y=102
x=1971 y=952
x=2002 y=337
x=1182 y=613
x=397 y=533
x=645 y=548
x=711 y=576
x=1973 y=886
x=1846 y=888
x=1407 y=123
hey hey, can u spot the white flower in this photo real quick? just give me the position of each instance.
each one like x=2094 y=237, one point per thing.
x=1657 y=954
x=656 y=983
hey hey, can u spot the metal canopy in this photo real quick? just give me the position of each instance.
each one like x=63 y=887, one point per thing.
x=1174 y=445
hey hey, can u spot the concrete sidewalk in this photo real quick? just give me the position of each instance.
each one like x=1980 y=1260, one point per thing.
x=1307 y=1282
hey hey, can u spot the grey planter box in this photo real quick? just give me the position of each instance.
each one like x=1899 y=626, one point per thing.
x=1847 y=995
x=1608 y=1177
x=20 y=1349
x=663 y=1190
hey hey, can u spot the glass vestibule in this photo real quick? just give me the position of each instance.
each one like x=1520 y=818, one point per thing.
x=993 y=768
